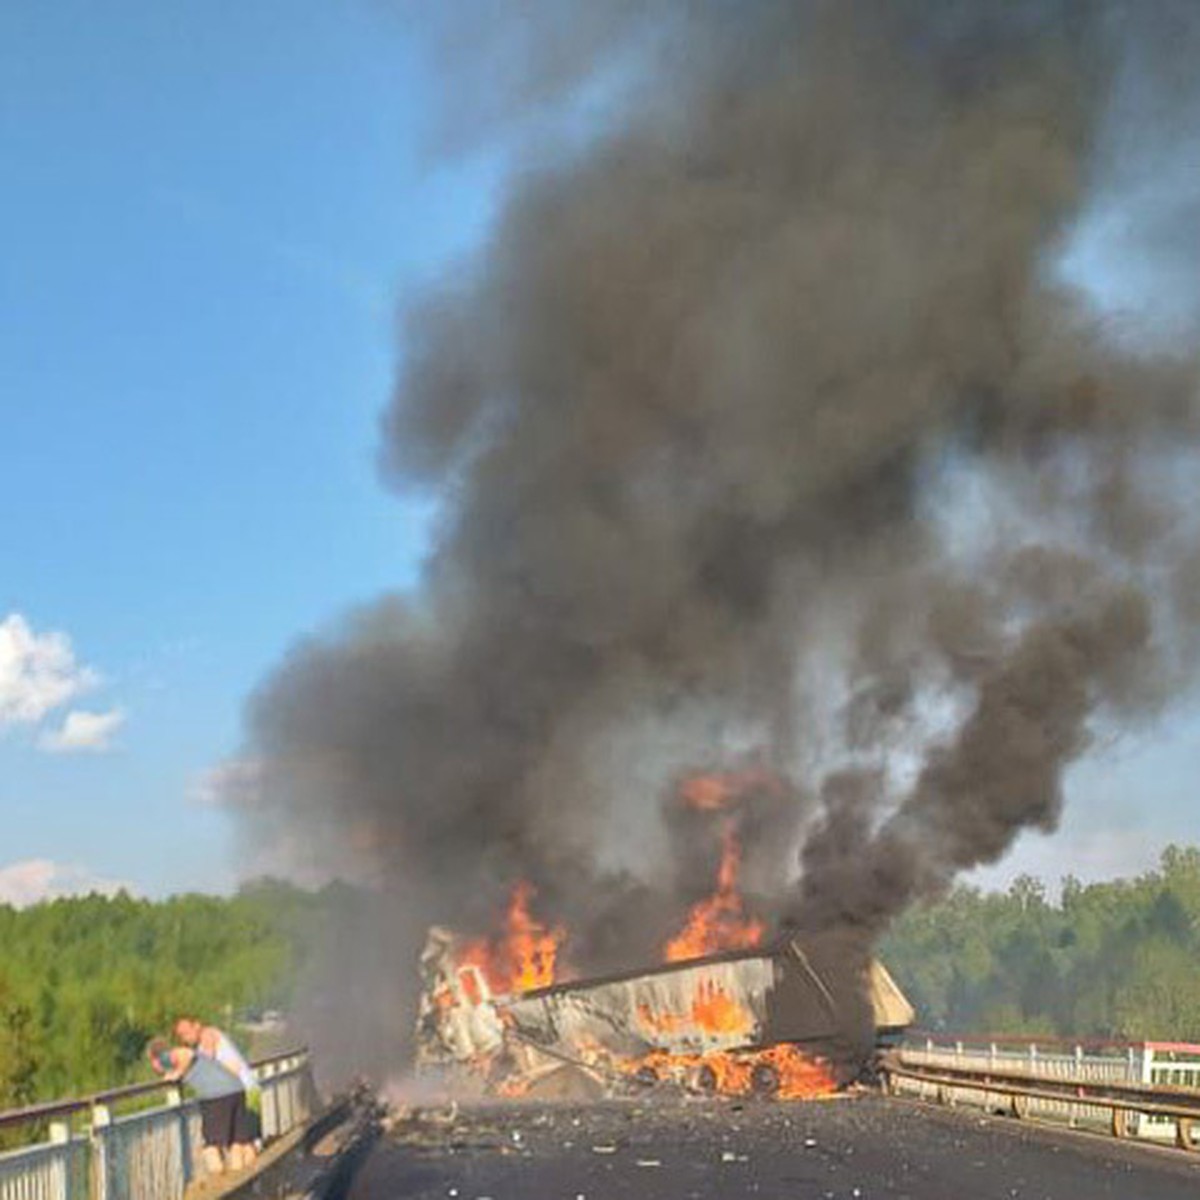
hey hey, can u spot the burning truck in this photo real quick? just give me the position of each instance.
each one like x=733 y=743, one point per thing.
x=740 y=1022
x=722 y=1013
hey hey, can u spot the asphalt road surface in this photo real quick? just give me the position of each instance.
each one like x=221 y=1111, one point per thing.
x=851 y=1148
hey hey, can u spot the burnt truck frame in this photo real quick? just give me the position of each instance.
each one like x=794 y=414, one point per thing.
x=797 y=992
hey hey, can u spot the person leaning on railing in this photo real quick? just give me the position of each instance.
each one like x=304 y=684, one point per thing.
x=215 y=1043
x=226 y=1124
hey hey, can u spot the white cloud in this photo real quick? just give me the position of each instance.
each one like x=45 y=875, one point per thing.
x=38 y=672
x=83 y=730
x=36 y=879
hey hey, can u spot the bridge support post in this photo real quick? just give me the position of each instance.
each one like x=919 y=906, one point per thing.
x=1122 y=1123
x=1183 y=1133
x=101 y=1121
x=58 y=1133
x=1073 y=1112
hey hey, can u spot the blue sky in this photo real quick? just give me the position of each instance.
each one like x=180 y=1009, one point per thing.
x=209 y=214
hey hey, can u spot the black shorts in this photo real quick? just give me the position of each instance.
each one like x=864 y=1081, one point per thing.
x=227 y=1121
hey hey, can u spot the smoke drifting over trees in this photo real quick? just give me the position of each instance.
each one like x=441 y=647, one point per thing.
x=760 y=421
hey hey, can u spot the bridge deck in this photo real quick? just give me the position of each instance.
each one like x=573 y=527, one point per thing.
x=667 y=1149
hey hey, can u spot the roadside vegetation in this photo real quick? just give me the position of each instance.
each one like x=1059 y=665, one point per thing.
x=1114 y=960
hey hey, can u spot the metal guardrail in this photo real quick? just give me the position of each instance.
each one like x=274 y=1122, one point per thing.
x=105 y=1147
x=1018 y=1089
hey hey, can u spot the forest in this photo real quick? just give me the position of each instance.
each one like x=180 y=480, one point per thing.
x=84 y=982
x=1119 y=959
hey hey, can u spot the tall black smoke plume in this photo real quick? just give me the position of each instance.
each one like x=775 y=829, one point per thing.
x=760 y=421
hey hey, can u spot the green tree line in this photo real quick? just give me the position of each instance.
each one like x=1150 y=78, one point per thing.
x=1114 y=960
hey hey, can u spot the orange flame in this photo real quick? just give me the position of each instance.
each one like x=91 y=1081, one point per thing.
x=782 y=1071
x=711 y=1010
x=721 y=790
x=523 y=956
x=718 y=922
x=800 y=1077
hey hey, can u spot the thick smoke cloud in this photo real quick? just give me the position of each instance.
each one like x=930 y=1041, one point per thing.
x=760 y=421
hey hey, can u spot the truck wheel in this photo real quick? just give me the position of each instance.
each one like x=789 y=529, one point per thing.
x=764 y=1080
x=646 y=1076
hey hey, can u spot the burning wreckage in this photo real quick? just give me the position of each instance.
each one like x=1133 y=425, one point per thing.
x=722 y=1013
x=744 y=1021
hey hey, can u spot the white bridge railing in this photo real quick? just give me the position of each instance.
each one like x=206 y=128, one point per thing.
x=135 y=1143
x=949 y=1070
